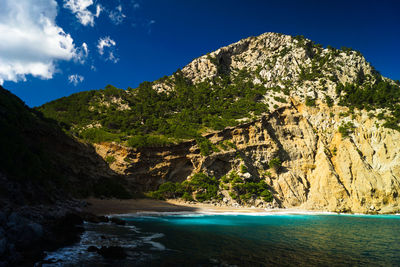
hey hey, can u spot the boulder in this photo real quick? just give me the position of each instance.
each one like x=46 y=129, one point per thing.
x=118 y=221
x=92 y=249
x=112 y=252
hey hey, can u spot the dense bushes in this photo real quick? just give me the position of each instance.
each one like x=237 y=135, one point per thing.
x=148 y=141
x=97 y=135
x=381 y=94
x=346 y=129
x=183 y=113
x=205 y=188
x=246 y=191
x=310 y=102
x=275 y=163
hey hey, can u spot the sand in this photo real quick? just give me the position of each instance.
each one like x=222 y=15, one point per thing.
x=130 y=206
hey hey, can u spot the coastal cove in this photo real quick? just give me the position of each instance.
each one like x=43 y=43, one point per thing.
x=171 y=235
x=199 y=133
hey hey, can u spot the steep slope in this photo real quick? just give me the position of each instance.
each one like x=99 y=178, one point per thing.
x=40 y=163
x=272 y=115
x=41 y=169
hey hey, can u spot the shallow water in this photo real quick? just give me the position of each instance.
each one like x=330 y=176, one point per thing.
x=243 y=240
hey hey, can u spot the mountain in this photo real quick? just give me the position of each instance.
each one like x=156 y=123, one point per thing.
x=39 y=162
x=41 y=170
x=269 y=121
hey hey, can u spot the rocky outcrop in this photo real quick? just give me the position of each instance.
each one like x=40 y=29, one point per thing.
x=26 y=232
x=321 y=169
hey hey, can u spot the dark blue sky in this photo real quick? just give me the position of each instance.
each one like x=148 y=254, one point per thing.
x=158 y=37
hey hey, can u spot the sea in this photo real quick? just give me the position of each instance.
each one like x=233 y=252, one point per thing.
x=235 y=239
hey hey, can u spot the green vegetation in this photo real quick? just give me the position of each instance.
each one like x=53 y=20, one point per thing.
x=275 y=163
x=280 y=99
x=205 y=146
x=243 y=168
x=381 y=94
x=32 y=158
x=148 y=141
x=110 y=159
x=148 y=117
x=245 y=190
x=346 y=129
x=310 y=102
x=154 y=118
x=204 y=188
x=97 y=135
x=328 y=100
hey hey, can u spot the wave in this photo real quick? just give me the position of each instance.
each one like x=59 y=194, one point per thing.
x=275 y=212
x=150 y=214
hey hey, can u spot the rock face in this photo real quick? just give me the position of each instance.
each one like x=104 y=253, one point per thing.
x=322 y=169
x=281 y=61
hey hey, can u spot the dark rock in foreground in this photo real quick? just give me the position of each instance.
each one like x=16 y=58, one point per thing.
x=113 y=252
x=118 y=221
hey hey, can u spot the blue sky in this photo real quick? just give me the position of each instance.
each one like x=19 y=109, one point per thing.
x=145 y=40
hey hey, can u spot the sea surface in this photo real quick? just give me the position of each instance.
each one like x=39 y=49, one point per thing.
x=266 y=239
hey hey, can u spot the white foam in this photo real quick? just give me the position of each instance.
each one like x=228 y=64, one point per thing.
x=152 y=214
x=153 y=236
x=156 y=245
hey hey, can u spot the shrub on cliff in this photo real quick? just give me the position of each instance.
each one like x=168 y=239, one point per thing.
x=206 y=188
x=148 y=141
x=275 y=163
x=97 y=135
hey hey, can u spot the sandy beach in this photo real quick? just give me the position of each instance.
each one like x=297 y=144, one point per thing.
x=117 y=206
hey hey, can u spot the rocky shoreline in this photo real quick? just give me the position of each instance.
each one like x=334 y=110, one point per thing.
x=27 y=231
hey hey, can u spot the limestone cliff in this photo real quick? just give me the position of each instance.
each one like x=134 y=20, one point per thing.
x=321 y=170
x=335 y=153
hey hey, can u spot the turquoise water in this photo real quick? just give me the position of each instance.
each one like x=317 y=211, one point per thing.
x=243 y=240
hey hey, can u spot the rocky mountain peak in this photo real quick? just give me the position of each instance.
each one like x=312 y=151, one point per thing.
x=292 y=65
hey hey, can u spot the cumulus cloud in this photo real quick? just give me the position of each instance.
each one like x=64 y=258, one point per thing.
x=106 y=48
x=31 y=42
x=116 y=16
x=75 y=79
x=81 y=11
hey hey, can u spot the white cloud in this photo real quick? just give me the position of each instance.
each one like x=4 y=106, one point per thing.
x=82 y=53
x=81 y=11
x=106 y=48
x=105 y=42
x=98 y=10
x=75 y=79
x=31 y=42
x=116 y=16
